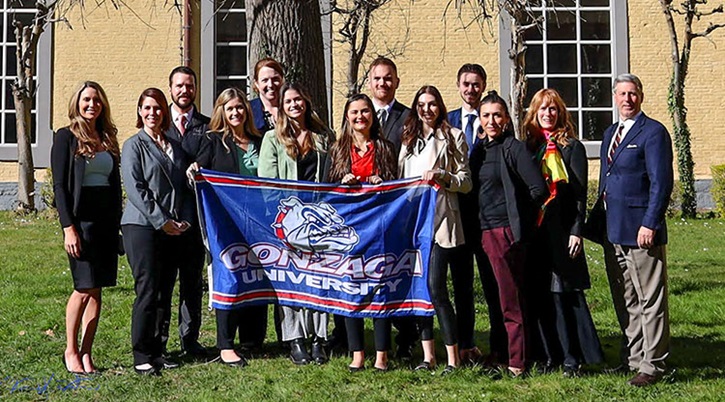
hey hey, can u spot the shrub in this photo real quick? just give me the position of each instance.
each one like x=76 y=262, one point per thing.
x=718 y=188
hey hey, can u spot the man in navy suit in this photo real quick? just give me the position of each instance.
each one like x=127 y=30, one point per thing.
x=383 y=82
x=187 y=129
x=635 y=184
x=471 y=82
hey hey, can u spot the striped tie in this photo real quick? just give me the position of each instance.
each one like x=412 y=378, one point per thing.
x=615 y=143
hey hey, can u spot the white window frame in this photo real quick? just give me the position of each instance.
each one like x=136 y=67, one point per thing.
x=44 y=132
x=619 y=54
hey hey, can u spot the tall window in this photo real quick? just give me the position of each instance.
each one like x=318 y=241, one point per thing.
x=24 y=12
x=224 y=49
x=579 y=51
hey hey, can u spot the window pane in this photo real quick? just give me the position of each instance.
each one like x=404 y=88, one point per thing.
x=562 y=3
x=596 y=59
x=21 y=4
x=595 y=25
x=574 y=119
x=561 y=25
x=594 y=3
x=9 y=103
x=10 y=131
x=534 y=59
x=533 y=86
x=535 y=32
x=224 y=84
x=561 y=59
x=594 y=124
x=231 y=60
x=10 y=61
x=231 y=27
x=25 y=18
x=596 y=92
x=568 y=89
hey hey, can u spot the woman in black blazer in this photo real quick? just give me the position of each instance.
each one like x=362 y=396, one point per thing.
x=232 y=146
x=558 y=272
x=155 y=226
x=87 y=186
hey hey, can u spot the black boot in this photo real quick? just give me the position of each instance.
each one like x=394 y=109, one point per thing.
x=298 y=352
x=318 y=351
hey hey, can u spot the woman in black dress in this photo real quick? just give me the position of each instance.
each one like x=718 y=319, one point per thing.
x=232 y=145
x=363 y=155
x=87 y=186
x=559 y=272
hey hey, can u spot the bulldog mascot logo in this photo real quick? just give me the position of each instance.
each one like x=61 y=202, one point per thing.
x=307 y=228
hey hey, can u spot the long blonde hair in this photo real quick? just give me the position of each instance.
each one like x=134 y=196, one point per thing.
x=88 y=142
x=219 y=123
x=285 y=127
x=564 y=127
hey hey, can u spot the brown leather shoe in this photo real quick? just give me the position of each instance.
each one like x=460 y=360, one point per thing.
x=643 y=380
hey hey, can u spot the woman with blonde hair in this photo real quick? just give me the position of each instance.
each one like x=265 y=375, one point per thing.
x=558 y=275
x=232 y=146
x=87 y=186
x=297 y=150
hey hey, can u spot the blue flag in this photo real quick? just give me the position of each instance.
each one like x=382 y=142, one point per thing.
x=357 y=251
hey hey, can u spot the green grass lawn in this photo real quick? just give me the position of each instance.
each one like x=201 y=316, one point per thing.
x=35 y=283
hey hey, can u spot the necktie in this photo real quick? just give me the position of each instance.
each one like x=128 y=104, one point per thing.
x=470 y=139
x=182 y=124
x=382 y=117
x=615 y=143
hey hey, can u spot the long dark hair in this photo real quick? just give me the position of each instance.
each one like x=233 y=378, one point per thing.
x=285 y=129
x=413 y=127
x=341 y=161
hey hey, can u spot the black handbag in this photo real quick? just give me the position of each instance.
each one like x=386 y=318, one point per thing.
x=595 y=227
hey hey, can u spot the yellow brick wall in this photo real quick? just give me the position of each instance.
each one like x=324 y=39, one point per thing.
x=126 y=55
x=434 y=50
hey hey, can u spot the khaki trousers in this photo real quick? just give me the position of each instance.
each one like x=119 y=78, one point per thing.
x=638 y=282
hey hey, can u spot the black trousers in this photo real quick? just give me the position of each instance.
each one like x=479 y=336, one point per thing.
x=440 y=258
x=189 y=262
x=246 y=321
x=152 y=255
x=356 y=334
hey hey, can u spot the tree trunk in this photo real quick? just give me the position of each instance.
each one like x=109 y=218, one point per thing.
x=518 y=72
x=23 y=89
x=678 y=111
x=290 y=31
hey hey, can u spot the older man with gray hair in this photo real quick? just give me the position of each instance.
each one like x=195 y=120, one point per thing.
x=635 y=184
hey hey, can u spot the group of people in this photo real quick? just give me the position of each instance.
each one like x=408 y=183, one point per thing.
x=517 y=207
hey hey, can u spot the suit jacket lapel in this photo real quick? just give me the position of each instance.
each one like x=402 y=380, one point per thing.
x=156 y=152
x=393 y=117
x=440 y=147
x=631 y=135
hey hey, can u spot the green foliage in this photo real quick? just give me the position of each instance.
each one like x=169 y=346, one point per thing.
x=681 y=137
x=718 y=188
x=35 y=283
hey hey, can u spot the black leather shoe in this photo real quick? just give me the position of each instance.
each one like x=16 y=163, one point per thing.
x=241 y=363
x=298 y=352
x=318 y=352
x=194 y=349
x=164 y=363
x=153 y=371
x=572 y=372
x=643 y=380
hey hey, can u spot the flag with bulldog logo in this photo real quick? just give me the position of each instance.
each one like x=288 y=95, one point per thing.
x=358 y=251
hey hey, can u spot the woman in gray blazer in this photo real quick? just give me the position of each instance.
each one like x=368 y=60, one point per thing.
x=154 y=225
x=297 y=150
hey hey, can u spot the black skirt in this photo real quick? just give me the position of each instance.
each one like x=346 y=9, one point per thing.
x=97 y=227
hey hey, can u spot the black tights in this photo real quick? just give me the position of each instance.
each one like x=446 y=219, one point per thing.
x=356 y=334
x=438 y=287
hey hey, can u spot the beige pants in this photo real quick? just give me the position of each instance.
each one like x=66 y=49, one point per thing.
x=638 y=282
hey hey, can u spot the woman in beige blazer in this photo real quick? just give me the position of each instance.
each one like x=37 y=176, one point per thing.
x=435 y=150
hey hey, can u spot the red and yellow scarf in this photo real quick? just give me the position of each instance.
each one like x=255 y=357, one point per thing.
x=552 y=168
